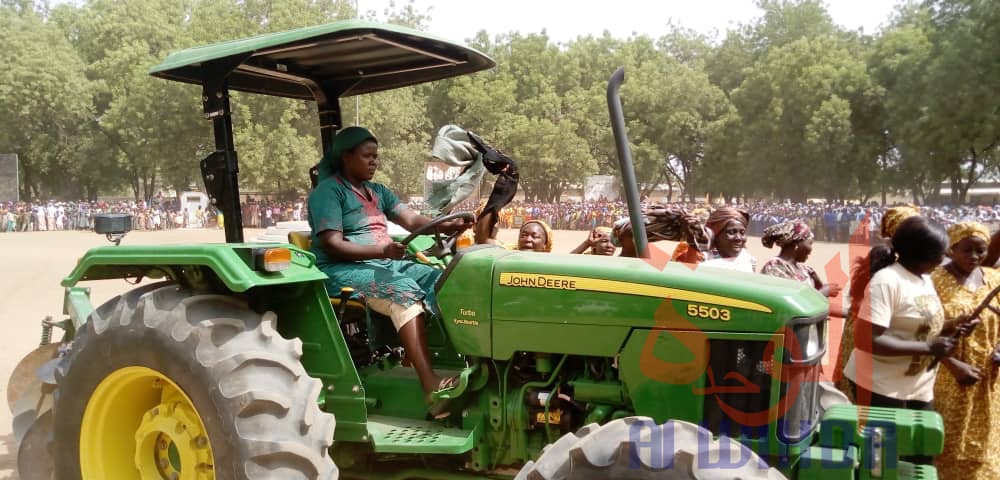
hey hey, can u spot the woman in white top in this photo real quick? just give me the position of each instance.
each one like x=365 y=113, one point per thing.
x=901 y=326
x=729 y=239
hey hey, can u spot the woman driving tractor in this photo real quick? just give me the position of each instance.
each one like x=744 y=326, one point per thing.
x=347 y=215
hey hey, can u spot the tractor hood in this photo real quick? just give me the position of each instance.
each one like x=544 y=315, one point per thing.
x=554 y=301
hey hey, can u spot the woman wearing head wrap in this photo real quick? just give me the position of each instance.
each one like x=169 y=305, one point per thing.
x=598 y=242
x=347 y=214
x=861 y=274
x=796 y=242
x=729 y=237
x=535 y=235
x=965 y=393
x=900 y=325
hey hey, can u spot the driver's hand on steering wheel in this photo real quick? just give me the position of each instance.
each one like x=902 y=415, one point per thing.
x=455 y=225
x=393 y=250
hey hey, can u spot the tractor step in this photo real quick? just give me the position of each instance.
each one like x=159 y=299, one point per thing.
x=404 y=435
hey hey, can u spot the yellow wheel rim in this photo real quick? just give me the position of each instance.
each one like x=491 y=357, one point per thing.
x=140 y=424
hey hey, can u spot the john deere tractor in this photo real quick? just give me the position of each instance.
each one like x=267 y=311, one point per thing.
x=239 y=364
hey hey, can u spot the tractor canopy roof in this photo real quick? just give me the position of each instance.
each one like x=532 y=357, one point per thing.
x=338 y=59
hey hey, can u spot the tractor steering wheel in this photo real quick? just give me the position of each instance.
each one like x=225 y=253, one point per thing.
x=442 y=246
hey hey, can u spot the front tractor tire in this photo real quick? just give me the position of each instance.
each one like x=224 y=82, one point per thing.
x=627 y=448
x=164 y=384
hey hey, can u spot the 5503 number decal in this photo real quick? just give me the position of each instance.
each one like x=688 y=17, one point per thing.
x=712 y=313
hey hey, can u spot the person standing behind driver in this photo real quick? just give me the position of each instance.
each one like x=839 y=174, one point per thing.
x=347 y=214
x=598 y=242
x=729 y=239
x=535 y=235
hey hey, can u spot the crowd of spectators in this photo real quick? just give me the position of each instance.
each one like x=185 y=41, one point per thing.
x=267 y=213
x=829 y=222
x=79 y=215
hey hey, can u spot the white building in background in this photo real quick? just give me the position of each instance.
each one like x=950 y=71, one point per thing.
x=191 y=203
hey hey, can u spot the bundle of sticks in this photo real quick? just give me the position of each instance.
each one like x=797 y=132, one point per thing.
x=667 y=222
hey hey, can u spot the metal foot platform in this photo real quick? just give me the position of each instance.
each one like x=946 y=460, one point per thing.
x=401 y=435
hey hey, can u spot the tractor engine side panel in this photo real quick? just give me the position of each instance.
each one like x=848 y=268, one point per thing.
x=465 y=294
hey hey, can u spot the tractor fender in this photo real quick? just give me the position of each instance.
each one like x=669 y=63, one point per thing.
x=233 y=264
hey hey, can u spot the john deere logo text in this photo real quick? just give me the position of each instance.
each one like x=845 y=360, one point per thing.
x=536 y=281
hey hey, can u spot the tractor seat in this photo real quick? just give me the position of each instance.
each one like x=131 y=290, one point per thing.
x=303 y=240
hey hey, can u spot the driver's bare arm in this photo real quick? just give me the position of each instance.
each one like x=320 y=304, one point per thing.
x=337 y=247
x=411 y=220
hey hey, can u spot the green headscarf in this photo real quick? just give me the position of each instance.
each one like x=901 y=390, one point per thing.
x=345 y=141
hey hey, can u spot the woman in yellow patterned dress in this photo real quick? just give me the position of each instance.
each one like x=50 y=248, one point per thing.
x=965 y=394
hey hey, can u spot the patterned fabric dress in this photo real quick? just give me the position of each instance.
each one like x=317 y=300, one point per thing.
x=971 y=413
x=798 y=271
x=361 y=216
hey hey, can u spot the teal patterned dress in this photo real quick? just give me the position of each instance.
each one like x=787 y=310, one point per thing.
x=335 y=205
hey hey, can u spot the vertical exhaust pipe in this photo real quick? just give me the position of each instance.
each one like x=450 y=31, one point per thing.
x=625 y=162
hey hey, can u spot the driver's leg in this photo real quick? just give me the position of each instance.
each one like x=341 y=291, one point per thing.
x=415 y=343
x=409 y=323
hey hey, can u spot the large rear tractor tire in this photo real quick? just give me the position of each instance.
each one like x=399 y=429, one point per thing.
x=635 y=448
x=164 y=384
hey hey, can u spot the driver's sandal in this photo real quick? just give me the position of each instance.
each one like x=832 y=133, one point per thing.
x=439 y=409
x=440 y=399
x=451 y=388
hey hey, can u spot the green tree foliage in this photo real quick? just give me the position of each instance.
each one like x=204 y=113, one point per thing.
x=45 y=100
x=801 y=95
x=678 y=113
x=939 y=65
x=788 y=105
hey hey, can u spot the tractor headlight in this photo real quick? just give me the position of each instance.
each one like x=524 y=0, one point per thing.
x=810 y=333
x=813 y=345
x=805 y=345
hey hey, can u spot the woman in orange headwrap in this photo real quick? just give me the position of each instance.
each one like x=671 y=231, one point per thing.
x=729 y=238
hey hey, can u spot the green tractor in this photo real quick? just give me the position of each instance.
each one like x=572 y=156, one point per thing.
x=236 y=363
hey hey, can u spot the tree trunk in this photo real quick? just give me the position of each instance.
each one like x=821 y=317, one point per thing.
x=151 y=186
x=956 y=185
x=651 y=187
x=25 y=188
x=134 y=183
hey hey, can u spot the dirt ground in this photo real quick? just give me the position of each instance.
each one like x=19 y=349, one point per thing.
x=35 y=262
